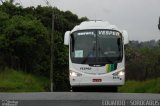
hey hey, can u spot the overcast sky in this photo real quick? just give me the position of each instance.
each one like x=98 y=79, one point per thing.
x=138 y=17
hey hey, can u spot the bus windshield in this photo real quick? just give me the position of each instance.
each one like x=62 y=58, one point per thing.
x=96 y=47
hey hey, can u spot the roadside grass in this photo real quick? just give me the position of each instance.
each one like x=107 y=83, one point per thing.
x=18 y=81
x=148 y=86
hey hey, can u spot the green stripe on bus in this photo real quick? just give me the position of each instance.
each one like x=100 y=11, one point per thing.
x=110 y=67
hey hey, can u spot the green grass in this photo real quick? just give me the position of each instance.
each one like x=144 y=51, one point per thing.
x=18 y=81
x=148 y=86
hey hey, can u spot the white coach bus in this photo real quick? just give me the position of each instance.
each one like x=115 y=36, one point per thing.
x=96 y=55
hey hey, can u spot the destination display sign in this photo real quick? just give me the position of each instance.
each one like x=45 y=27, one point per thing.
x=100 y=32
x=108 y=32
x=86 y=33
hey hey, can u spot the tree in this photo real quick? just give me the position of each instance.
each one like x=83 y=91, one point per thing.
x=25 y=40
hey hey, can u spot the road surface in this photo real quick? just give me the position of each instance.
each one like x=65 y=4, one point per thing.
x=76 y=99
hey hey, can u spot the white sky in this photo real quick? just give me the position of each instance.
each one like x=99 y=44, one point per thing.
x=138 y=17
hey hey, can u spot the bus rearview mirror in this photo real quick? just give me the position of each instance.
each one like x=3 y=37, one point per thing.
x=125 y=37
x=66 y=38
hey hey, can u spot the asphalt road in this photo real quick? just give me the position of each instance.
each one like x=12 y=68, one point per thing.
x=75 y=99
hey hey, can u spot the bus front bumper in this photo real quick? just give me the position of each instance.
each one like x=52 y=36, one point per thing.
x=97 y=80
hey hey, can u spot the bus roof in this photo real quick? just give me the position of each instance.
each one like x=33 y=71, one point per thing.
x=96 y=24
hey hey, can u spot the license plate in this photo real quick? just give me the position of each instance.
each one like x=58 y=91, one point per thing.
x=97 y=80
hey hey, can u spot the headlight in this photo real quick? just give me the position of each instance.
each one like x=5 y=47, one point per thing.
x=119 y=73
x=74 y=74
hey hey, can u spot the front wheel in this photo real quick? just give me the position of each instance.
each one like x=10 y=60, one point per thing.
x=75 y=89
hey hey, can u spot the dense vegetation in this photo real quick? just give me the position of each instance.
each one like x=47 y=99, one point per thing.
x=25 y=40
x=147 y=86
x=25 y=45
x=143 y=62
